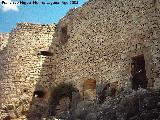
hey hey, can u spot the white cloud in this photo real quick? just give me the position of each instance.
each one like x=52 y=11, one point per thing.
x=8 y=6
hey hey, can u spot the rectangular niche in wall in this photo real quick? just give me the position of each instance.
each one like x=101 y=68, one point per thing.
x=89 y=89
x=138 y=72
x=45 y=53
x=63 y=35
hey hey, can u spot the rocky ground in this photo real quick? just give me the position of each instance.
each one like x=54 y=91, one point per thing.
x=131 y=105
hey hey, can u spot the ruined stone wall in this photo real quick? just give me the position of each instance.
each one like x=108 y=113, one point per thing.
x=3 y=40
x=96 y=41
x=23 y=65
x=156 y=47
x=103 y=36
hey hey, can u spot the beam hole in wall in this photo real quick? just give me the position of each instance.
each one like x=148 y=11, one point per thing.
x=45 y=53
x=39 y=94
x=24 y=90
x=138 y=72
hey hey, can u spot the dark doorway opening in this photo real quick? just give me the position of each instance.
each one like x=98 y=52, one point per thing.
x=138 y=72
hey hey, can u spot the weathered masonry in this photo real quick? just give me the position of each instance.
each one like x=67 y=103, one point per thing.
x=103 y=42
x=21 y=66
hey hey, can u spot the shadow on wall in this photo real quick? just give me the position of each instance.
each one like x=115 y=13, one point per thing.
x=39 y=104
x=50 y=97
x=4 y=62
x=62 y=101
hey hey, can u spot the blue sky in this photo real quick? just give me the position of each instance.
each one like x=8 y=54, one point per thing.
x=10 y=14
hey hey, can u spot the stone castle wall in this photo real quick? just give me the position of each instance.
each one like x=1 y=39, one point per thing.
x=103 y=36
x=94 y=42
x=24 y=66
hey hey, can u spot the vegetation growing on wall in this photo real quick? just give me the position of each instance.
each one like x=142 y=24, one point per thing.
x=62 y=90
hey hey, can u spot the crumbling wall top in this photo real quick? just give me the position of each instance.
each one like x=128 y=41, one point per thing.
x=26 y=26
x=3 y=40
